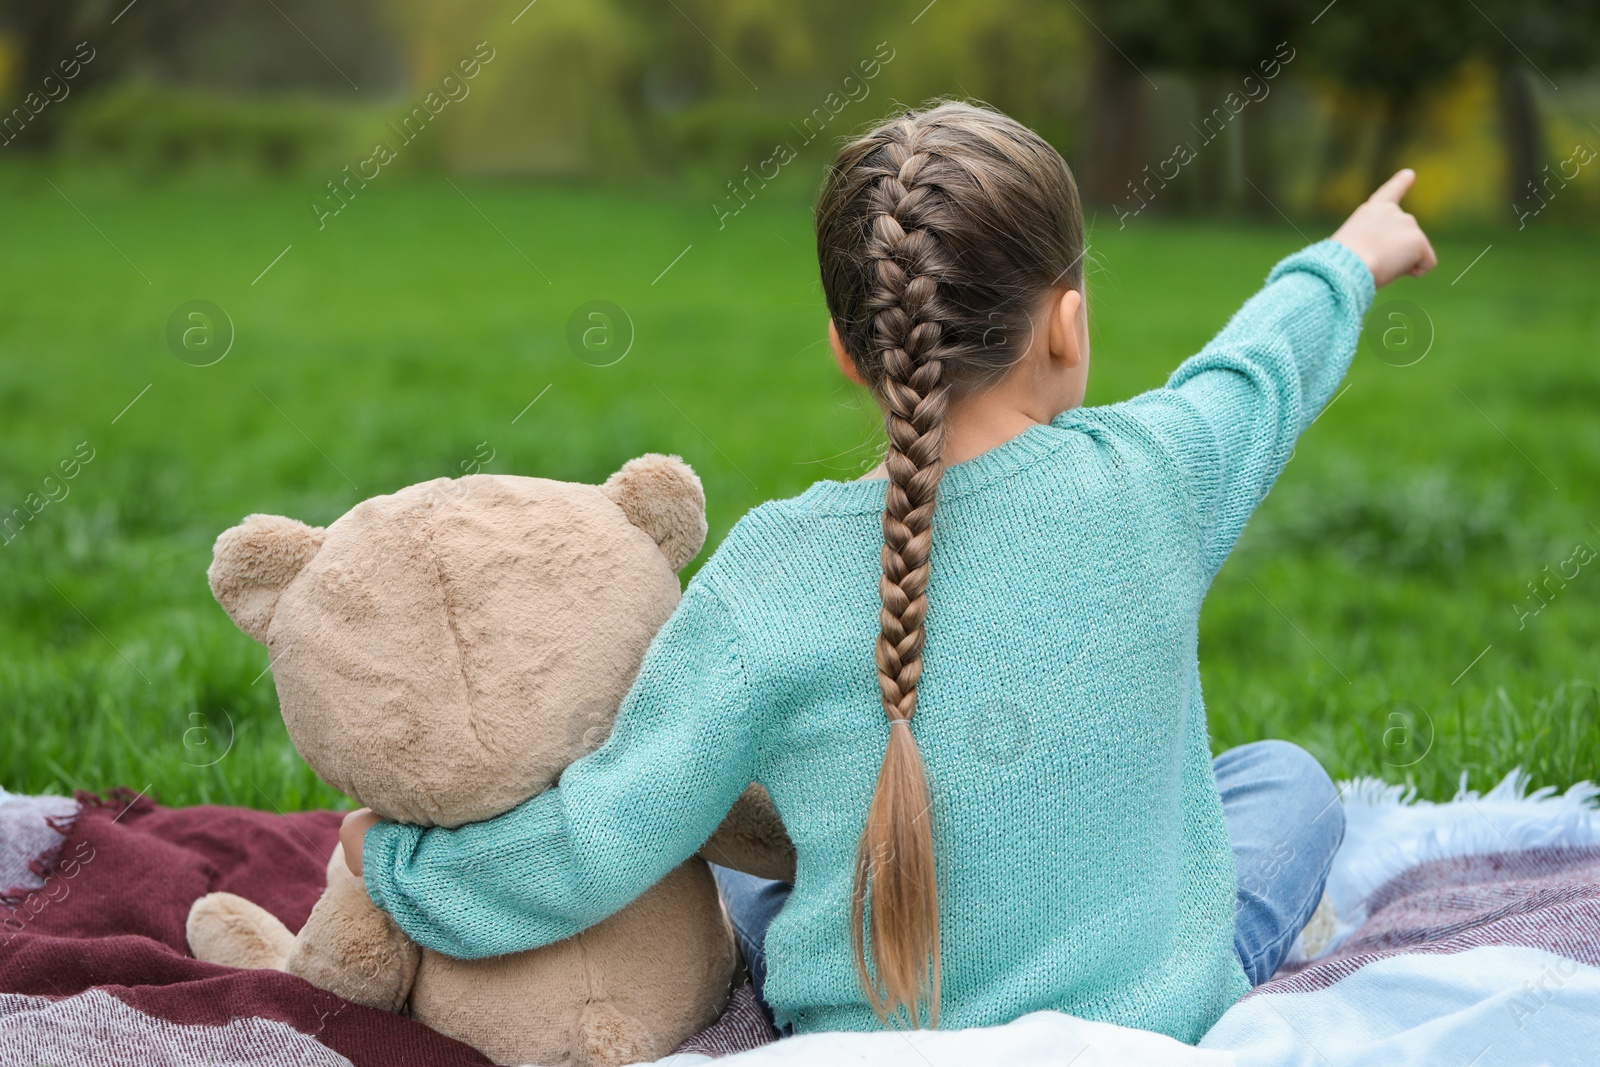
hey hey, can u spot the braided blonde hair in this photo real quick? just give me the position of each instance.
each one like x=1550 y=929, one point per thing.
x=939 y=233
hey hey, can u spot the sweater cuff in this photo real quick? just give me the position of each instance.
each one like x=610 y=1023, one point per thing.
x=1338 y=266
x=379 y=847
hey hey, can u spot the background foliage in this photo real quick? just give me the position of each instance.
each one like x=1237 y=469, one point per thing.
x=695 y=89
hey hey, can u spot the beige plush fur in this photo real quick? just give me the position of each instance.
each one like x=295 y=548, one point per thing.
x=441 y=654
x=229 y=930
x=752 y=839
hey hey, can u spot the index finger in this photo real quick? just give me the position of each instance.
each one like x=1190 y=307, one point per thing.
x=1396 y=187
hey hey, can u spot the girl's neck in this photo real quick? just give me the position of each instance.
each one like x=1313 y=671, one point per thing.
x=982 y=420
x=1048 y=378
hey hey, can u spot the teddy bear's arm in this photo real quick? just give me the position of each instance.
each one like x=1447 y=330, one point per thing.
x=752 y=839
x=351 y=948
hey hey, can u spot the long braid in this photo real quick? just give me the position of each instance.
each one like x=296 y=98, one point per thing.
x=895 y=884
x=938 y=232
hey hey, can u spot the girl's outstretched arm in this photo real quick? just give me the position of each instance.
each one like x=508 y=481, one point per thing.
x=1229 y=416
x=682 y=749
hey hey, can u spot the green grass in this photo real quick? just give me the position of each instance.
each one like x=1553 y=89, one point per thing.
x=389 y=347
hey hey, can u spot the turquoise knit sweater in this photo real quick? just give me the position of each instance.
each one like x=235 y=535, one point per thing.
x=1083 y=863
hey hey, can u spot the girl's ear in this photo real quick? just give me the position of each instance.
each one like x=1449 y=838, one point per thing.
x=253 y=564
x=662 y=496
x=1066 y=330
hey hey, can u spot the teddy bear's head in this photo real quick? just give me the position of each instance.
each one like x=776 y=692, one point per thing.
x=443 y=653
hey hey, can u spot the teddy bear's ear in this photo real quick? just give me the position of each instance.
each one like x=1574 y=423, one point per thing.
x=662 y=496
x=254 y=562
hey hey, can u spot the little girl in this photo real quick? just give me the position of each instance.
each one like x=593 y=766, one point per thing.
x=1015 y=807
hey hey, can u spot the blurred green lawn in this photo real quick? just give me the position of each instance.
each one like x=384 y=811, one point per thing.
x=410 y=336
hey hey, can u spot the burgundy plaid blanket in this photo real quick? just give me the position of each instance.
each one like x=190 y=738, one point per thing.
x=103 y=908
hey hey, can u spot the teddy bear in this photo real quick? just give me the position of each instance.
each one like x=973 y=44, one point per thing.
x=441 y=654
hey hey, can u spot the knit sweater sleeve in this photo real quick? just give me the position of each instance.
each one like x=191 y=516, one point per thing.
x=1230 y=414
x=681 y=750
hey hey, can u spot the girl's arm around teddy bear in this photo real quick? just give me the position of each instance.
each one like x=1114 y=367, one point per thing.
x=682 y=750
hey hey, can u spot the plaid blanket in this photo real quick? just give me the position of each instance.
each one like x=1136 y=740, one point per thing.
x=1449 y=945
x=1545 y=898
x=95 y=967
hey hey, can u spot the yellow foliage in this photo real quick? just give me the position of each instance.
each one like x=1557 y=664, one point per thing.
x=1458 y=153
x=10 y=60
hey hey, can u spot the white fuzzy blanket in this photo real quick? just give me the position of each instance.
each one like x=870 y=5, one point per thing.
x=1452 y=984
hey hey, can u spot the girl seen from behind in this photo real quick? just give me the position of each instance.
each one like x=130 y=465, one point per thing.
x=1017 y=559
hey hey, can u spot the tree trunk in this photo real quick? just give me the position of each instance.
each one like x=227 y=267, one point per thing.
x=1118 y=130
x=1210 y=137
x=1345 y=127
x=1522 y=132
x=1394 y=131
x=47 y=34
x=1233 y=150
x=1260 y=162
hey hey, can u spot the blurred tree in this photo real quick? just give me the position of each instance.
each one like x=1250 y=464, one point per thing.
x=736 y=48
x=244 y=46
x=232 y=45
x=46 y=35
x=1024 y=57
x=557 y=96
x=720 y=80
x=1389 y=55
x=1126 y=38
x=1393 y=54
x=1218 y=44
x=1530 y=42
x=1241 y=48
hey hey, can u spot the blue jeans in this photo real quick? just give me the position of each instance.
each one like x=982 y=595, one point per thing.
x=1285 y=823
